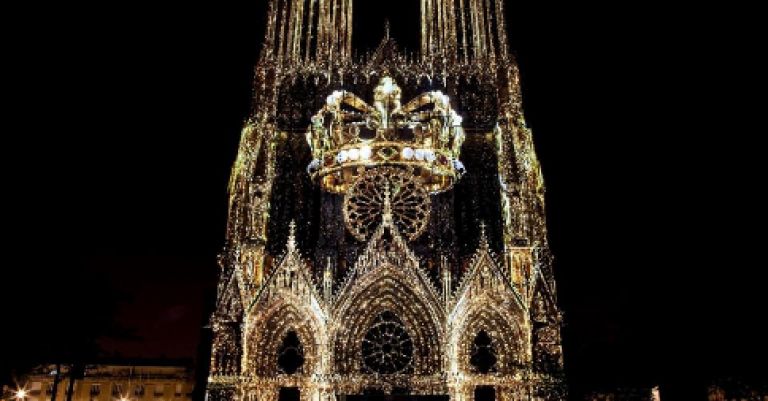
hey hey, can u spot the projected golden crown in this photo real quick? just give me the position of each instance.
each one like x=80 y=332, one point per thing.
x=348 y=136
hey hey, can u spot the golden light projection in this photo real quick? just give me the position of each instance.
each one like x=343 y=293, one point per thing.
x=386 y=230
x=348 y=137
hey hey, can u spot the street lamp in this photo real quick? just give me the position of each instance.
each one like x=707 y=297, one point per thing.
x=21 y=394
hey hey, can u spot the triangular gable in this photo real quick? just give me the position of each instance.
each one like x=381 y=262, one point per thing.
x=483 y=266
x=291 y=276
x=387 y=247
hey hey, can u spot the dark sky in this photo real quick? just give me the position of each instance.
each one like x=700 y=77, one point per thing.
x=130 y=118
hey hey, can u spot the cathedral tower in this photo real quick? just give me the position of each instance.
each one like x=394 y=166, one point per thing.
x=386 y=229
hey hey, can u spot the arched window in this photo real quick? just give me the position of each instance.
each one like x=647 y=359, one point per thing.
x=483 y=356
x=290 y=356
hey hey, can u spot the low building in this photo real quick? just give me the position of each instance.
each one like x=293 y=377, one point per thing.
x=109 y=382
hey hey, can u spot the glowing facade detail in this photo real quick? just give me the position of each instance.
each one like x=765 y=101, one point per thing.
x=408 y=202
x=362 y=254
x=348 y=136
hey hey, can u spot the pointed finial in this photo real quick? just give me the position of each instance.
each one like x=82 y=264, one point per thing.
x=386 y=29
x=292 y=236
x=328 y=280
x=483 y=237
x=328 y=273
x=386 y=214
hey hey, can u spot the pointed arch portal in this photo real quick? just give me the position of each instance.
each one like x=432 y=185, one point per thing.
x=385 y=303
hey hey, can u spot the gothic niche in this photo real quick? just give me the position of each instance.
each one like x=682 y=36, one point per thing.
x=290 y=355
x=387 y=347
x=483 y=356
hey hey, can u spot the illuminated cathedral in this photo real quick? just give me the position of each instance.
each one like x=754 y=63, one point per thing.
x=386 y=233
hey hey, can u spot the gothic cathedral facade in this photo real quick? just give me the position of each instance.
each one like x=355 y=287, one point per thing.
x=386 y=232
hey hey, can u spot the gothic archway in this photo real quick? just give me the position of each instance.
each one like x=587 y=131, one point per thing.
x=503 y=331
x=283 y=340
x=388 y=295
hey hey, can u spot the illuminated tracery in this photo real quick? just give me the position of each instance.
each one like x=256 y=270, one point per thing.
x=387 y=348
x=365 y=199
x=386 y=228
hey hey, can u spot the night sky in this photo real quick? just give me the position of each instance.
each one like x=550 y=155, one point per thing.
x=130 y=117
